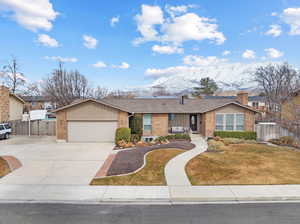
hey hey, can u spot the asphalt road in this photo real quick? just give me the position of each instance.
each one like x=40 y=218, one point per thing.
x=150 y=214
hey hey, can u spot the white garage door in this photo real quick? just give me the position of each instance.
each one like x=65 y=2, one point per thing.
x=91 y=131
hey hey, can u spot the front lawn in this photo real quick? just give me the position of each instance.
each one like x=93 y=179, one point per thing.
x=238 y=164
x=4 y=168
x=151 y=174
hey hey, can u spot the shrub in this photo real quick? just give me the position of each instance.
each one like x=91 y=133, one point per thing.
x=135 y=138
x=123 y=134
x=214 y=145
x=249 y=135
x=178 y=136
x=285 y=140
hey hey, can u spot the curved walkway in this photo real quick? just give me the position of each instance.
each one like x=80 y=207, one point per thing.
x=175 y=169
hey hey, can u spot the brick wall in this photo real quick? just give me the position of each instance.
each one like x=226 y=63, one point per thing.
x=159 y=124
x=4 y=104
x=249 y=120
x=123 y=121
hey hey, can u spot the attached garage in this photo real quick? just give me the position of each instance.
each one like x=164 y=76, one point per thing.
x=89 y=121
x=94 y=131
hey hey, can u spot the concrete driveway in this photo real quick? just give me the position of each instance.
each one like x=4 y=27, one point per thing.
x=46 y=162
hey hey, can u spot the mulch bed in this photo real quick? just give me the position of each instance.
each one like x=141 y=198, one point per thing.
x=128 y=161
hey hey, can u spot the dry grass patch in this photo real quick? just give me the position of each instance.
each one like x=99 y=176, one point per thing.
x=151 y=174
x=245 y=164
x=4 y=168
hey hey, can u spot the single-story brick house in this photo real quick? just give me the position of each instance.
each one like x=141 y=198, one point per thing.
x=11 y=105
x=96 y=120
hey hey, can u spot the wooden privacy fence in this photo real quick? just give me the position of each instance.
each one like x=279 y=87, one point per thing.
x=36 y=127
x=270 y=130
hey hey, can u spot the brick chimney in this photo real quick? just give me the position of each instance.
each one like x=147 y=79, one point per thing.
x=4 y=104
x=242 y=97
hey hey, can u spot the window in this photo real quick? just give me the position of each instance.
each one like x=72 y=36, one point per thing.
x=147 y=122
x=255 y=104
x=219 y=122
x=240 y=120
x=230 y=122
x=171 y=117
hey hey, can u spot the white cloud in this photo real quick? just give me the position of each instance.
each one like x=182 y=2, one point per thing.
x=167 y=49
x=225 y=53
x=146 y=21
x=31 y=14
x=177 y=10
x=273 y=53
x=291 y=16
x=62 y=59
x=124 y=65
x=249 y=54
x=275 y=31
x=274 y=14
x=195 y=60
x=89 y=41
x=175 y=29
x=47 y=41
x=114 y=20
x=100 y=64
x=190 y=26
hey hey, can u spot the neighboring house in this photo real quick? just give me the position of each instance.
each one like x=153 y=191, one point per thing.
x=11 y=106
x=95 y=121
x=38 y=103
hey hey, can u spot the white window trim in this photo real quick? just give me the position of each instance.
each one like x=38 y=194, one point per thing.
x=147 y=124
x=234 y=121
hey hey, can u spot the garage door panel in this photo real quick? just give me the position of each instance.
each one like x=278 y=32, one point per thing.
x=94 y=131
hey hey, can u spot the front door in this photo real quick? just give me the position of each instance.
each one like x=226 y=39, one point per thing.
x=193 y=122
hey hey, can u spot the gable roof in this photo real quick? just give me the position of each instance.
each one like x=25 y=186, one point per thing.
x=90 y=100
x=17 y=97
x=138 y=105
x=173 y=105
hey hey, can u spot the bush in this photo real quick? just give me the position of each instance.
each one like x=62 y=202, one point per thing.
x=123 y=134
x=162 y=140
x=248 y=135
x=135 y=138
x=214 y=145
x=178 y=136
x=286 y=141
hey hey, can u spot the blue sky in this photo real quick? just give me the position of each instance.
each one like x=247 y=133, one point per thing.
x=241 y=29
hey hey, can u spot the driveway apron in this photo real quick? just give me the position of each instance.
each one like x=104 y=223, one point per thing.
x=45 y=162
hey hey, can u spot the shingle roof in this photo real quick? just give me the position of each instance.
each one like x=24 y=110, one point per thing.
x=172 y=105
x=35 y=98
x=250 y=98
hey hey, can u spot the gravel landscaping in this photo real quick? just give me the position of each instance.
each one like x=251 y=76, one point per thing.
x=128 y=161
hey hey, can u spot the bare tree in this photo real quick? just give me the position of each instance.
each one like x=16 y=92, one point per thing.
x=119 y=94
x=63 y=87
x=278 y=82
x=14 y=79
x=32 y=89
x=99 y=92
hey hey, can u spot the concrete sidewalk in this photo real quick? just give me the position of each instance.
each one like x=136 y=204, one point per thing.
x=173 y=194
x=175 y=169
